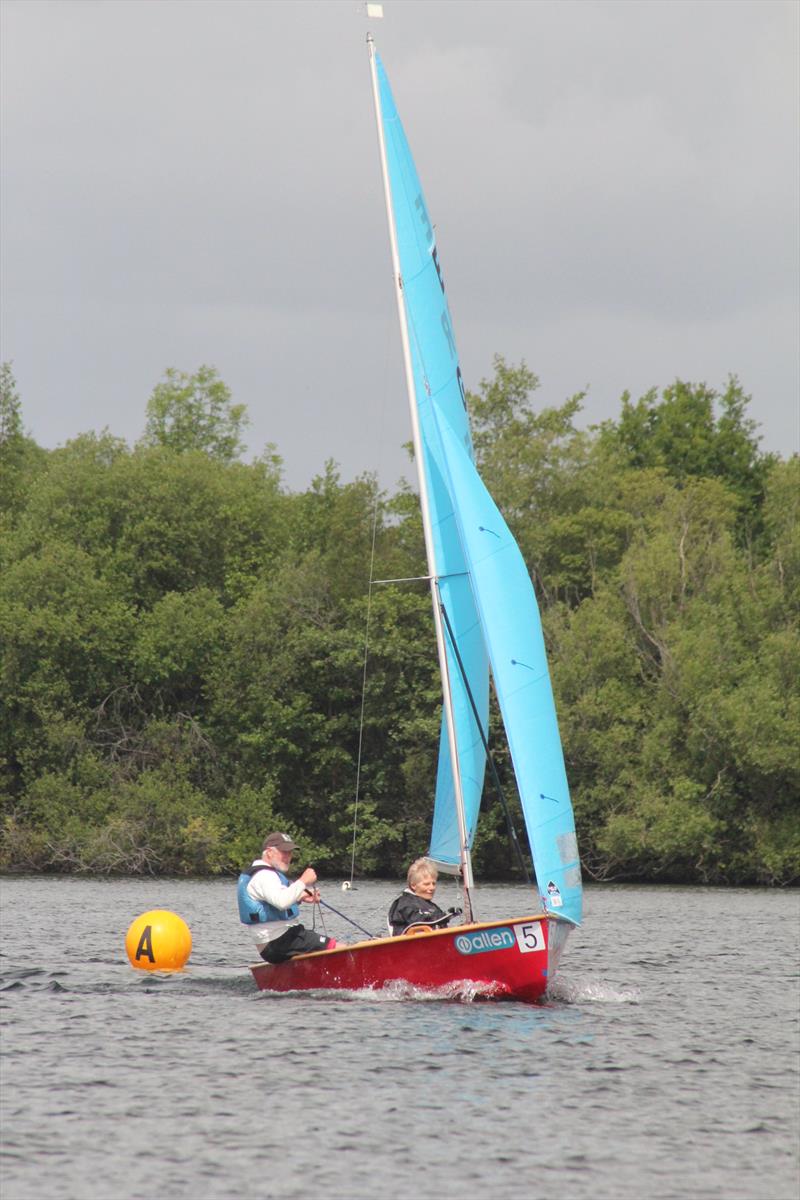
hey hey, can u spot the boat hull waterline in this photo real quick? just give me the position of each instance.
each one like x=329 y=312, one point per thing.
x=498 y=960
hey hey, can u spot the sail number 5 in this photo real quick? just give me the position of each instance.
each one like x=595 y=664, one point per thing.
x=529 y=936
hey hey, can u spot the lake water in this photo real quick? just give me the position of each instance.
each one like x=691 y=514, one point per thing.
x=665 y=1065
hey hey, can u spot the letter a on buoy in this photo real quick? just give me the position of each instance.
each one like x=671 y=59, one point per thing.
x=146 y=944
x=158 y=941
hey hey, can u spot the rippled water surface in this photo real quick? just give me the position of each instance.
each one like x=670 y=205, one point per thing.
x=665 y=1065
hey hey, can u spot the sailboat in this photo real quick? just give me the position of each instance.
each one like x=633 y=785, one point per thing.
x=486 y=620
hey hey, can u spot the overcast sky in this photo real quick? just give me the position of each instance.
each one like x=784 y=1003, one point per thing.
x=187 y=182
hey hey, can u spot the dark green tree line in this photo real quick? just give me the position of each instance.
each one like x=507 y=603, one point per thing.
x=183 y=638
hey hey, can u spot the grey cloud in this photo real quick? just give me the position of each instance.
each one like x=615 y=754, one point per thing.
x=614 y=187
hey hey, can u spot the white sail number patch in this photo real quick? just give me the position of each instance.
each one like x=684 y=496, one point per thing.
x=529 y=936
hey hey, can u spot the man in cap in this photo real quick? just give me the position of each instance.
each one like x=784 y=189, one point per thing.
x=268 y=903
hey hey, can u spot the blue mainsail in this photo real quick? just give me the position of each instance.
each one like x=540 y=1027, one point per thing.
x=484 y=584
x=437 y=379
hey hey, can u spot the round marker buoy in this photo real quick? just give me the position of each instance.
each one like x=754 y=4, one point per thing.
x=158 y=941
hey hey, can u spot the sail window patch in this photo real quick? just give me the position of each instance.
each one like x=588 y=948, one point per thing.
x=567 y=844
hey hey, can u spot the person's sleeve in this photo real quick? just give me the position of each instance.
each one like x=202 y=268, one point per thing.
x=405 y=912
x=398 y=918
x=267 y=886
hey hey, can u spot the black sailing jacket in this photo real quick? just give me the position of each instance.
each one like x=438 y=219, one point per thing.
x=410 y=909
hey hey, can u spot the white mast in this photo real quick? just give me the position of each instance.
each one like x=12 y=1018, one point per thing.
x=464 y=853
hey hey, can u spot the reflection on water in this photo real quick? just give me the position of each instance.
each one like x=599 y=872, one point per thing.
x=661 y=1064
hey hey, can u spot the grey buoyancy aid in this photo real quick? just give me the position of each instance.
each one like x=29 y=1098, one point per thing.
x=256 y=912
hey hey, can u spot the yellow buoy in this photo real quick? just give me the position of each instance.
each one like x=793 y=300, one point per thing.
x=158 y=941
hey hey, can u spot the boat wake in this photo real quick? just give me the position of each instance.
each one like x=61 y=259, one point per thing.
x=591 y=991
x=460 y=991
x=465 y=991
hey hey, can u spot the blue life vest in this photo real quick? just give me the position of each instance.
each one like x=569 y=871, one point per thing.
x=256 y=912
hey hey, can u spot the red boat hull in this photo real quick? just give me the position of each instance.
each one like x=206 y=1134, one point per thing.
x=501 y=960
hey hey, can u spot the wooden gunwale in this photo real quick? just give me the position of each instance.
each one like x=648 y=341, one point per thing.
x=419 y=937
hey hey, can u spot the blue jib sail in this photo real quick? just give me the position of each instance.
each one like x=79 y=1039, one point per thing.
x=437 y=378
x=512 y=630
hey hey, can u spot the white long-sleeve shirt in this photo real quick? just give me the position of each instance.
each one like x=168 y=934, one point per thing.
x=266 y=885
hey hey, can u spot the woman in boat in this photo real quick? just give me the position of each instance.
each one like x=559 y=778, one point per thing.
x=415 y=907
x=268 y=903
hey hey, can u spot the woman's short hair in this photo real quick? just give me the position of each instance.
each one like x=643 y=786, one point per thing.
x=419 y=869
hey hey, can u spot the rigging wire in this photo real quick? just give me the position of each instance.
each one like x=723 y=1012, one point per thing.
x=364 y=687
x=372 y=582
x=381 y=427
